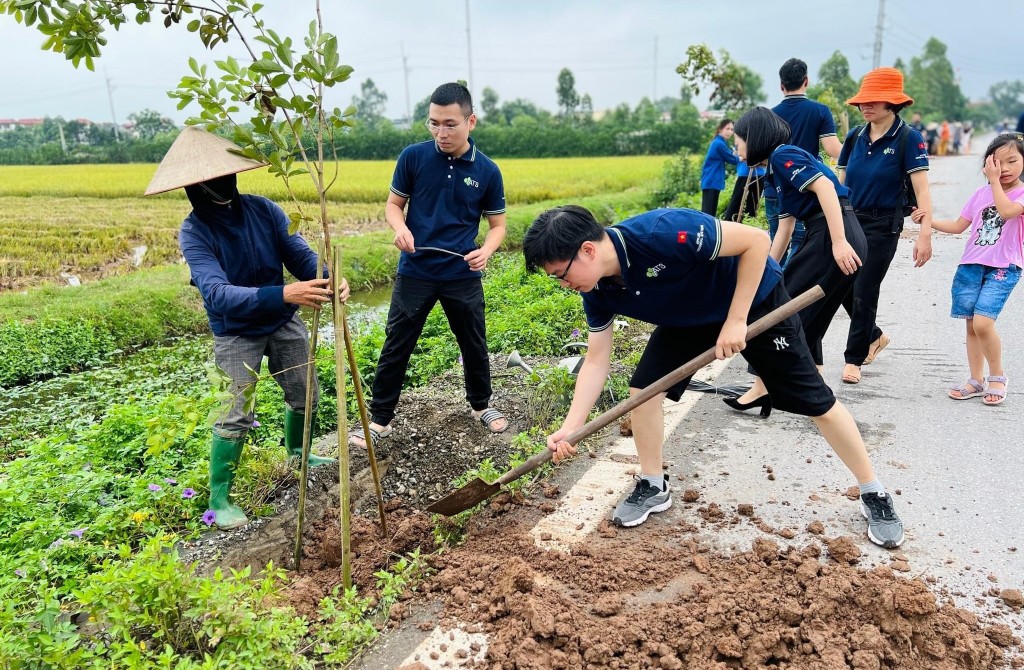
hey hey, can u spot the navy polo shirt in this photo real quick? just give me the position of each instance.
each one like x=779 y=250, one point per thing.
x=810 y=121
x=671 y=272
x=875 y=170
x=447 y=197
x=792 y=170
x=712 y=175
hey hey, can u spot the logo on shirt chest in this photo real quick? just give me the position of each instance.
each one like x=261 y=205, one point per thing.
x=889 y=151
x=468 y=181
x=653 y=272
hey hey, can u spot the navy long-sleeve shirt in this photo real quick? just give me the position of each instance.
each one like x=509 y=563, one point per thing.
x=238 y=267
x=712 y=177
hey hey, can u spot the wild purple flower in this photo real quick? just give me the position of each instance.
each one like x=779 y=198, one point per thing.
x=20 y=572
x=460 y=359
x=209 y=517
x=170 y=482
x=56 y=543
x=188 y=493
x=255 y=423
x=155 y=487
x=575 y=333
x=78 y=532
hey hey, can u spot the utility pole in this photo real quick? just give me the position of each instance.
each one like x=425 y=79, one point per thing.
x=405 y=70
x=469 y=51
x=654 y=88
x=110 y=97
x=879 y=30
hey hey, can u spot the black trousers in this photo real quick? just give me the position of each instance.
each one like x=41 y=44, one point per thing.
x=813 y=263
x=709 y=202
x=753 y=195
x=882 y=231
x=411 y=302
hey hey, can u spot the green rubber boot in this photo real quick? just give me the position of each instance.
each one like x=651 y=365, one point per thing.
x=224 y=455
x=293 y=438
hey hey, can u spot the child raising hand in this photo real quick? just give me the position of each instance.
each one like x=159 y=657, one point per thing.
x=991 y=264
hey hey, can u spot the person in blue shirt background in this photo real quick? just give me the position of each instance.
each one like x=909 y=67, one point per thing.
x=811 y=128
x=448 y=185
x=872 y=166
x=712 y=175
x=237 y=247
x=717 y=277
x=834 y=246
x=754 y=191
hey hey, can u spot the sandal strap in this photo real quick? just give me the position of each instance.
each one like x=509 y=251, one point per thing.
x=490 y=415
x=999 y=393
x=996 y=378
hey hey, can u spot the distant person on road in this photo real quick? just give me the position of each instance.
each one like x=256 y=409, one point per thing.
x=712 y=176
x=877 y=161
x=833 y=250
x=1020 y=123
x=718 y=277
x=237 y=248
x=440 y=190
x=990 y=266
x=750 y=181
x=811 y=127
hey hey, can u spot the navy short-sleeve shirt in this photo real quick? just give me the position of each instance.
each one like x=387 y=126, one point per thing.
x=810 y=122
x=672 y=274
x=447 y=197
x=875 y=170
x=792 y=170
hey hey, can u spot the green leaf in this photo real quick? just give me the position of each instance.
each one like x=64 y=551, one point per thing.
x=193 y=25
x=265 y=66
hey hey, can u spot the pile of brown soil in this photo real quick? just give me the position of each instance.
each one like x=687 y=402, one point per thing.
x=656 y=599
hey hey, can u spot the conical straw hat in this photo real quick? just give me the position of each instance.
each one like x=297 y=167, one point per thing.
x=197 y=156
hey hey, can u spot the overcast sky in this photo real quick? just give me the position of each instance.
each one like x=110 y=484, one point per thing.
x=618 y=51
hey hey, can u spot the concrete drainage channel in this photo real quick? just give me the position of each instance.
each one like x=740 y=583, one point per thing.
x=580 y=510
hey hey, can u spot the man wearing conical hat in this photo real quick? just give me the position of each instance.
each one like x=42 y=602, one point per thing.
x=237 y=247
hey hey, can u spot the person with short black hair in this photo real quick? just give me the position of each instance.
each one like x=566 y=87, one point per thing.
x=448 y=185
x=811 y=127
x=665 y=258
x=876 y=161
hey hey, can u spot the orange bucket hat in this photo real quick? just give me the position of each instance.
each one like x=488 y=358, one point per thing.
x=883 y=84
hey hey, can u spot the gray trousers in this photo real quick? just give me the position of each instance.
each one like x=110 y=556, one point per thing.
x=287 y=350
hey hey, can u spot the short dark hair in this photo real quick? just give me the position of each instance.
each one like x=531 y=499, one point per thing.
x=1005 y=139
x=453 y=94
x=792 y=74
x=896 y=109
x=557 y=234
x=762 y=130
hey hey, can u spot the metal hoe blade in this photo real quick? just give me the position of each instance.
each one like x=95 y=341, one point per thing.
x=477 y=491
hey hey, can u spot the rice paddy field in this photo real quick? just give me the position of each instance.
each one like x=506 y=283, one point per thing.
x=92 y=221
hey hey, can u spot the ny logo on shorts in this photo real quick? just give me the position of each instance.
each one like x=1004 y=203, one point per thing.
x=780 y=343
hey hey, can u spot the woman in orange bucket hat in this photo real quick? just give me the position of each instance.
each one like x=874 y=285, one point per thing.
x=885 y=165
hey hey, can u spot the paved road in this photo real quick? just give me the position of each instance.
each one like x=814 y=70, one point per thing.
x=958 y=465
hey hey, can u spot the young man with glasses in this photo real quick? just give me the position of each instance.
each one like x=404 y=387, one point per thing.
x=700 y=281
x=448 y=185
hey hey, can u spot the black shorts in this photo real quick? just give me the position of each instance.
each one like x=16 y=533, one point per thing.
x=779 y=354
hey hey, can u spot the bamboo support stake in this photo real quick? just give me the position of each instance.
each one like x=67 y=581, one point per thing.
x=357 y=384
x=344 y=482
x=307 y=420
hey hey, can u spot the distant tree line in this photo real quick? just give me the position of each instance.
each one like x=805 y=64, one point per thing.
x=519 y=128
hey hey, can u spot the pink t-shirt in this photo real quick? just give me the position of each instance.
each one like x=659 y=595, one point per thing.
x=993 y=242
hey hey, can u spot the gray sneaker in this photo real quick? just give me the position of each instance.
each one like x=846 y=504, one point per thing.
x=644 y=500
x=884 y=526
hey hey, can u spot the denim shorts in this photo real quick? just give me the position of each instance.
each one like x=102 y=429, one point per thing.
x=980 y=290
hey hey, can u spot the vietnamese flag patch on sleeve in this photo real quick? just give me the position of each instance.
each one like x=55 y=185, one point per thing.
x=921 y=145
x=788 y=164
x=681 y=237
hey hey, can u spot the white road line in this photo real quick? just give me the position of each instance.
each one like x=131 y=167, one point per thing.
x=582 y=507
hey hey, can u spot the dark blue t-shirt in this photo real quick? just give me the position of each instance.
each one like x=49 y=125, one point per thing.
x=672 y=274
x=809 y=122
x=447 y=197
x=874 y=171
x=791 y=170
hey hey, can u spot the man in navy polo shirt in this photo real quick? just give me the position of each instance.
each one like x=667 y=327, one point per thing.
x=811 y=125
x=448 y=186
x=700 y=281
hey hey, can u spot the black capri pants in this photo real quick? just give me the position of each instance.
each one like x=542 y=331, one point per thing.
x=779 y=354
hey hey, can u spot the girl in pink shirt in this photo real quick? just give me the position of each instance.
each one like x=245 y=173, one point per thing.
x=991 y=264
